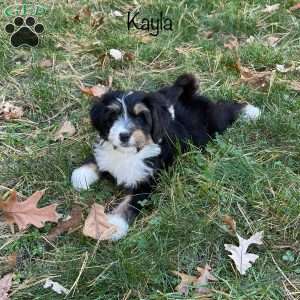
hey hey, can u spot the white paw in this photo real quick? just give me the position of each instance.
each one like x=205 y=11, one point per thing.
x=150 y=150
x=83 y=177
x=120 y=223
x=251 y=112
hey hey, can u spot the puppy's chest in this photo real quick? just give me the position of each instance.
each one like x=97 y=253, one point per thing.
x=129 y=169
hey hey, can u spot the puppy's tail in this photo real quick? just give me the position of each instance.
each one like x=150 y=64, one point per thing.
x=189 y=84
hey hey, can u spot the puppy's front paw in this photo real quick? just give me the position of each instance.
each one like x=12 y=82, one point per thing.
x=83 y=177
x=150 y=150
x=121 y=226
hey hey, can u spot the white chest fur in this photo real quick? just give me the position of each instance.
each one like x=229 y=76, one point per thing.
x=127 y=167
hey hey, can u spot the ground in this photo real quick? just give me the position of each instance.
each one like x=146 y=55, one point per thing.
x=250 y=173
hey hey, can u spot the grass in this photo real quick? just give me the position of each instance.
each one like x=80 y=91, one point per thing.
x=250 y=173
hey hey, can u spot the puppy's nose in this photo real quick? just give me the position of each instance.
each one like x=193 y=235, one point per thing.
x=124 y=137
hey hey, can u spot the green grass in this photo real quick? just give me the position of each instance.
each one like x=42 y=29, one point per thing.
x=250 y=173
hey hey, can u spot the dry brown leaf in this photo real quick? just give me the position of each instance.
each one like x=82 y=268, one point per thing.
x=84 y=12
x=254 y=78
x=271 y=8
x=46 y=63
x=186 y=282
x=9 y=111
x=230 y=222
x=272 y=41
x=96 y=224
x=7 y=264
x=208 y=34
x=129 y=56
x=25 y=213
x=295 y=7
x=203 y=279
x=97 y=19
x=294 y=85
x=97 y=90
x=67 y=225
x=186 y=49
x=144 y=38
x=5 y=286
x=232 y=43
x=67 y=129
x=239 y=254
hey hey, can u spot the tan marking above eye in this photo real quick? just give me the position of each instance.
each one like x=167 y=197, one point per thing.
x=140 y=107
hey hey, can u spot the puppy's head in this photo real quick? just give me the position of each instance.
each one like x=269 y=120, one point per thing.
x=130 y=121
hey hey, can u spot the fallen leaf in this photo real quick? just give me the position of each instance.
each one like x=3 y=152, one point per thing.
x=129 y=56
x=25 y=213
x=239 y=254
x=116 y=54
x=230 y=222
x=186 y=49
x=97 y=90
x=254 y=78
x=232 y=43
x=66 y=225
x=84 y=12
x=285 y=69
x=116 y=13
x=7 y=264
x=96 y=224
x=272 y=41
x=208 y=34
x=5 y=286
x=271 y=8
x=97 y=19
x=55 y=286
x=186 y=282
x=46 y=63
x=203 y=279
x=295 y=7
x=9 y=111
x=67 y=129
x=144 y=38
x=294 y=85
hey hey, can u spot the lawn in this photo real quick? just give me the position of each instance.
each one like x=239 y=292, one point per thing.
x=251 y=173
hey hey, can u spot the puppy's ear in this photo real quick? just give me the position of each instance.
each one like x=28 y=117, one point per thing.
x=189 y=85
x=158 y=107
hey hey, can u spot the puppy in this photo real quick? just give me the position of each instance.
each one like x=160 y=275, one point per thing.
x=138 y=134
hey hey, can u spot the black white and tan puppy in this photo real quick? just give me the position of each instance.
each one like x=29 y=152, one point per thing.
x=139 y=132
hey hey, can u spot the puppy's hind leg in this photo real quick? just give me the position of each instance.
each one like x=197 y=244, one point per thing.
x=84 y=176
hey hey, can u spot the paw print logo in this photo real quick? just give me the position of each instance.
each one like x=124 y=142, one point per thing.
x=24 y=33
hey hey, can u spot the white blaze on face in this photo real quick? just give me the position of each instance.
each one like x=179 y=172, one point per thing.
x=120 y=126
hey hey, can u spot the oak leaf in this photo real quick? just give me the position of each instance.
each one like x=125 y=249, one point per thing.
x=271 y=8
x=5 y=286
x=239 y=254
x=46 y=63
x=203 y=279
x=295 y=7
x=66 y=225
x=25 y=213
x=232 y=43
x=186 y=282
x=96 y=224
x=254 y=78
x=8 y=264
x=97 y=90
x=116 y=54
x=8 y=111
x=230 y=222
x=56 y=287
x=66 y=129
